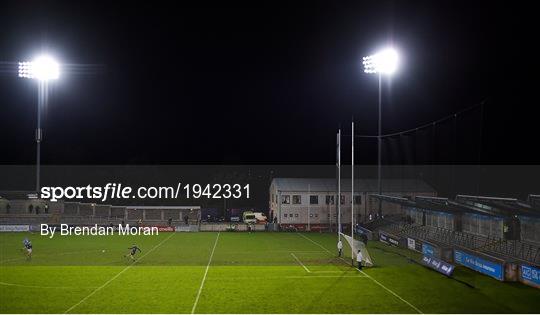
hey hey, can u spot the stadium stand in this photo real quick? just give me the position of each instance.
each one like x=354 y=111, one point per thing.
x=71 y=208
x=118 y=212
x=86 y=209
x=23 y=208
x=102 y=210
x=495 y=227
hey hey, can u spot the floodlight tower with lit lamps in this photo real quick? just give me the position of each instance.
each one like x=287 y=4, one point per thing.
x=43 y=69
x=384 y=62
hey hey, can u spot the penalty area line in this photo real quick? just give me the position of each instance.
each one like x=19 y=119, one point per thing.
x=204 y=277
x=116 y=276
x=370 y=277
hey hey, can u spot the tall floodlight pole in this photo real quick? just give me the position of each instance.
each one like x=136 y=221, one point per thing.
x=43 y=69
x=383 y=62
x=352 y=191
x=379 y=148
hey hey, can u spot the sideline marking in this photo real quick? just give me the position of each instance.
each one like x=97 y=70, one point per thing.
x=370 y=277
x=301 y=264
x=395 y=294
x=204 y=277
x=307 y=277
x=41 y=287
x=117 y=275
x=49 y=255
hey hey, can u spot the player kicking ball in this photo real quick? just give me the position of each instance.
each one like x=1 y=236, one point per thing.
x=28 y=247
x=133 y=250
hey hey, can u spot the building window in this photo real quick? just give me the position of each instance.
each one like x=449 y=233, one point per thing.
x=296 y=199
x=329 y=200
x=284 y=215
x=358 y=200
x=313 y=200
x=290 y=215
x=342 y=199
x=286 y=199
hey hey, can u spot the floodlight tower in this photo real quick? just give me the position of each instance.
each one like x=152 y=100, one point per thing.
x=43 y=69
x=384 y=62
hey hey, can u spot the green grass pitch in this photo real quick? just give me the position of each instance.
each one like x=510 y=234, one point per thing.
x=234 y=272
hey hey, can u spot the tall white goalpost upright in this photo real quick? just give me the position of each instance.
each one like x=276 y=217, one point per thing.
x=352 y=190
x=355 y=244
x=339 y=184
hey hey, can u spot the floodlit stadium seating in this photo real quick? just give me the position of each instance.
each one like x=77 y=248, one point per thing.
x=23 y=212
x=505 y=249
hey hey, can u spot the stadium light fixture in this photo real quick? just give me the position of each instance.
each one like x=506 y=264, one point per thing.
x=383 y=62
x=43 y=68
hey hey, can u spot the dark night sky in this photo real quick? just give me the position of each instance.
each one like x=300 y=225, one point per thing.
x=265 y=83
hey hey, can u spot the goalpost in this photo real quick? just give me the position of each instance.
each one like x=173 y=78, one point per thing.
x=354 y=245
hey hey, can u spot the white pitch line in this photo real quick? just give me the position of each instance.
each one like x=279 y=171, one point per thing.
x=370 y=277
x=41 y=287
x=309 y=239
x=204 y=277
x=117 y=275
x=392 y=292
x=56 y=254
x=307 y=277
x=301 y=264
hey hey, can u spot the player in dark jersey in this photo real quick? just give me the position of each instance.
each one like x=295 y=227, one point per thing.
x=132 y=251
x=28 y=248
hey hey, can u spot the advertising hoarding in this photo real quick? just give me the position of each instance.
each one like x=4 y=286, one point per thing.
x=490 y=268
x=530 y=275
x=438 y=265
x=428 y=250
x=14 y=228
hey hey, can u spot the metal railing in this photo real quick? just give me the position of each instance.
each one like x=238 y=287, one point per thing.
x=507 y=249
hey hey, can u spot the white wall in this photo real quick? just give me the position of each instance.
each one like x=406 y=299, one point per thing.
x=319 y=213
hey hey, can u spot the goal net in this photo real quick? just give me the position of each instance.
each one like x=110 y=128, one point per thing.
x=356 y=245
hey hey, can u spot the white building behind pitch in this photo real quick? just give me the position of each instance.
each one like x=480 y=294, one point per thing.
x=294 y=201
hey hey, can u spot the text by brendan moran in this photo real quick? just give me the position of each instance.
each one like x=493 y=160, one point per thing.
x=95 y=230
